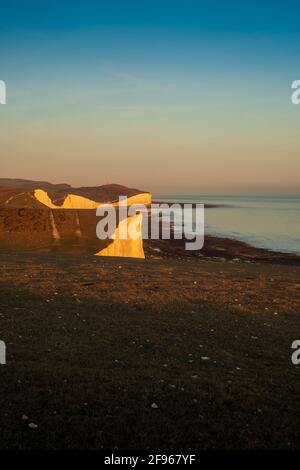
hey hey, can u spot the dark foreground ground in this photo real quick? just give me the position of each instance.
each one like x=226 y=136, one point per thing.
x=94 y=343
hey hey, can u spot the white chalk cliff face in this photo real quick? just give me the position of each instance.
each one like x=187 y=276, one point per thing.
x=73 y=201
x=132 y=246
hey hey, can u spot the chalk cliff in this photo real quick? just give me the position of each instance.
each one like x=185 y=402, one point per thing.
x=44 y=216
x=74 y=201
x=132 y=246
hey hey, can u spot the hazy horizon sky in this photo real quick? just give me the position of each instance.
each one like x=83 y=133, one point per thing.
x=170 y=97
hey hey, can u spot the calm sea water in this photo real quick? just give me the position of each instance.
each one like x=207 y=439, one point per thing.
x=271 y=222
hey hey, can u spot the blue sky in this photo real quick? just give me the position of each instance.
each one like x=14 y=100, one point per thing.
x=267 y=17
x=199 y=89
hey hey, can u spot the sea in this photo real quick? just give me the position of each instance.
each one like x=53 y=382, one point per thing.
x=271 y=222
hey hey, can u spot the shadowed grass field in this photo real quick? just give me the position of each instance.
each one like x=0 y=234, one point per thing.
x=93 y=344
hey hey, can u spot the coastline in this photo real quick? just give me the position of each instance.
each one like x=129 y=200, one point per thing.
x=93 y=342
x=246 y=219
x=220 y=249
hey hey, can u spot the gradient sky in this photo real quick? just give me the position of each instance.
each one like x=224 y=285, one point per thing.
x=166 y=96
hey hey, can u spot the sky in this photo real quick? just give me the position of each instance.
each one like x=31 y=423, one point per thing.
x=167 y=96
